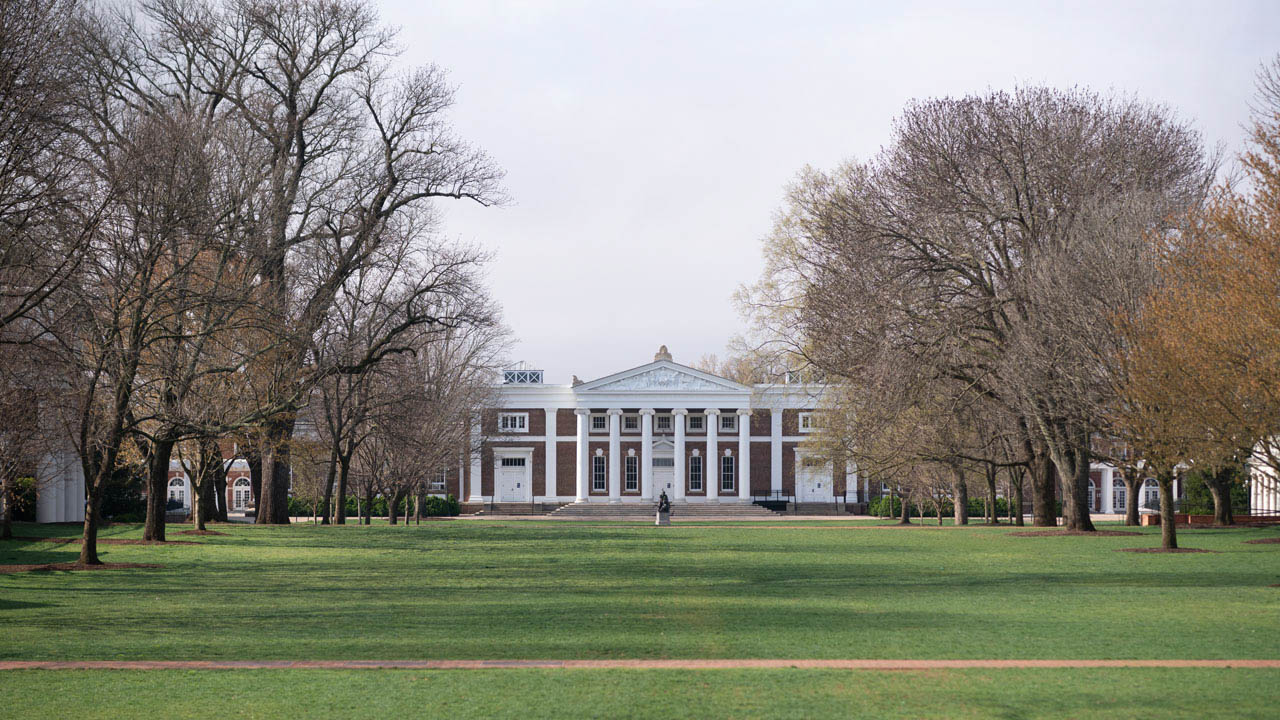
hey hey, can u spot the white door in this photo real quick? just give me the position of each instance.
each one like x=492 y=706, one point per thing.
x=813 y=481
x=664 y=469
x=511 y=481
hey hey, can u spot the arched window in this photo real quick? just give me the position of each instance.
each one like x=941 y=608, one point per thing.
x=241 y=493
x=178 y=490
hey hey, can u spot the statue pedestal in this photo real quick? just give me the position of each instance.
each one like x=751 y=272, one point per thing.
x=663 y=518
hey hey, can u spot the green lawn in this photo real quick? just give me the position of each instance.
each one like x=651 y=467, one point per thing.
x=492 y=589
x=533 y=694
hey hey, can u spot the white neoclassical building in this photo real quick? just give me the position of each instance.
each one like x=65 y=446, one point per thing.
x=660 y=427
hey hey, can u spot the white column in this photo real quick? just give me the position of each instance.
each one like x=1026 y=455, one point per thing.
x=646 y=453
x=775 y=451
x=711 y=464
x=476 y=476
x=615 y=455
x=678 y=471
x=744 y=453
x=1108 y=492
x=583 y=476
x=550 y=489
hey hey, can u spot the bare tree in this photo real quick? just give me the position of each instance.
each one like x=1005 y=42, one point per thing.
x=45 y=216
x=967 y=248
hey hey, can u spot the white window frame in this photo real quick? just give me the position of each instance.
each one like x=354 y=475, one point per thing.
x=804 y=422
x=507 y=422
x=178 y=489
x=728 y=422
x=599 y=474
x=627 y=420
x=697 y=422
x=695 y=473
x=603 y=428
x=658 y=421
x=631 y=473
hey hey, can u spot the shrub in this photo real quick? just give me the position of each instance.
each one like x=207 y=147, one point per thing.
x=123 y=497
x=441 y=507
x=1198 y=500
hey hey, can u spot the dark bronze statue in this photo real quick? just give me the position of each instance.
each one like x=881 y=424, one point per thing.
x=664 y=505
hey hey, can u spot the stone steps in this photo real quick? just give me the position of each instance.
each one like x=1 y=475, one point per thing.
x=679 y=511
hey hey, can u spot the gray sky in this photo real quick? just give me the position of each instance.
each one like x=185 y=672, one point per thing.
x=647 y=145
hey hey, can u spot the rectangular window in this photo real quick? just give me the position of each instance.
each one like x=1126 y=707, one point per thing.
x=599 y=480
x=695 y=473
x=513 y=422
x=807 y=422
x=729 y=423
x=599 y=422
x=438 y=482
x=633 y=472
x=726 y=472
x=631 y=423
x=512 y=462
x=664 y=462
x=662 y=423
x=696 y=422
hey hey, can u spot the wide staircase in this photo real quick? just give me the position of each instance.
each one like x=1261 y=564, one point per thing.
x=680 y=511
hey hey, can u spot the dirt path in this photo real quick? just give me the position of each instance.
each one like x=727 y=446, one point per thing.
x=691 y=664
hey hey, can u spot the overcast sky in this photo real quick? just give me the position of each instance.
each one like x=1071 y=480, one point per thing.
x=648 y=144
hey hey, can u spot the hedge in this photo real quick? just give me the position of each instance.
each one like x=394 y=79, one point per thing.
x=432 y=506
x=892 y=506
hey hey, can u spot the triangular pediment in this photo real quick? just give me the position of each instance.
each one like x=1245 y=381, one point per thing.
x=662 y=376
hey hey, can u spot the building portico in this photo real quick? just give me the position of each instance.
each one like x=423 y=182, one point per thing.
x=630 y=436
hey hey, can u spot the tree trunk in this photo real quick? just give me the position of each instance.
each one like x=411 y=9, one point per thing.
x=273 y=506
x=960 y=496
x=1219 y=484
x=344 y=467
x=904 y=513
x=1075 y=487
x=220 y=493
x=254 y=458
x=158 y=488
x=368 y=506
x=1043 y=512
x=330 y=473
x=6 y=507
x=1168 y=531
x=393 y=506
x=1133 y=486
x=991 y=496
x=89 y=538
x=1018 y=497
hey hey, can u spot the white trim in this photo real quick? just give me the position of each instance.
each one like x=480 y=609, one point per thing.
x=804 y=422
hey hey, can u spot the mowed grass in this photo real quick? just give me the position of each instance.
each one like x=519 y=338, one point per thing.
x=491 y=589
x=534 y=694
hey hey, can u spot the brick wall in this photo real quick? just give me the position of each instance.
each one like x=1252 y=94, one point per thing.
x=761 y=468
